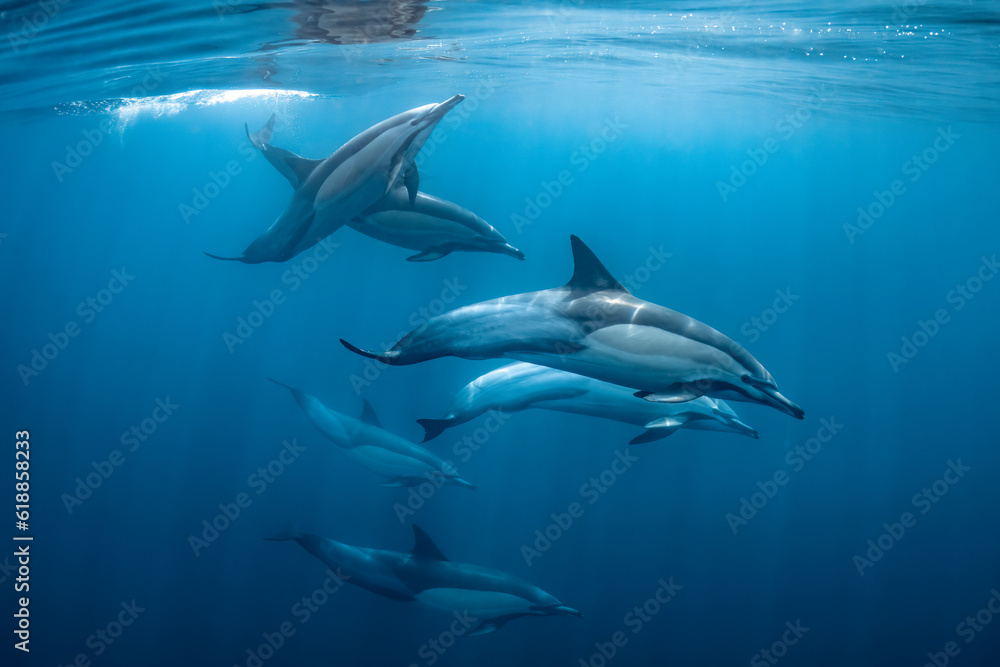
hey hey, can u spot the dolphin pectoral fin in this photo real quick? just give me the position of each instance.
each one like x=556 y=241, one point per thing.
x=428 y=255
x=401 y=481
x=364 y=353
x=397 y=166
x=666 y=422
x=412 y=181
x=679 y=392
x=434 y=427
x=493 y=624
x=225 y=259
x=290 y=532
x=414 y=481
x=484 y=628
x=652 y=435
x=658 y=429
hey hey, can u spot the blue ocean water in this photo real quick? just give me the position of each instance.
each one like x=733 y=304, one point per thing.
x=814 y=180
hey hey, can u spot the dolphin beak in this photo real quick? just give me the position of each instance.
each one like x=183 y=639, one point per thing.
x=776 y=400
x=783 y=404
x=743 y=429
x=459 y=480
x=438 y=111
x=569 y=611
x=449 y=103
x=508 y=249
x=733 y=422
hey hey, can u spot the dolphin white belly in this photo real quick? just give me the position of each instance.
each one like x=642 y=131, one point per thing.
x=431 y=225
x=413 y=230
x=633 y=355
x=479 y=604
x=389 y=464
x=522 y=386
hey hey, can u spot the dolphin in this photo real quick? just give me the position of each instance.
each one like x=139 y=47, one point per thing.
x=365 y=442
x=433 y=226
x=521 y=386
x=330 y=192
x=422 y=222
x=593 y=326
x=490 y=597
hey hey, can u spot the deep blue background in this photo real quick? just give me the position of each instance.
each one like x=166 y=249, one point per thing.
x=654 y=186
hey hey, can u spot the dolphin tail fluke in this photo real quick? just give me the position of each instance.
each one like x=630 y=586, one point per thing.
x=290 y=532
x=364 y=353
x=293 y=167
x=261 y=139
x=433 y=427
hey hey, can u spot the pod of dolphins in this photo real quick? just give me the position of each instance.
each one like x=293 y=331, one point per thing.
x=587 y=347
x=370 y=184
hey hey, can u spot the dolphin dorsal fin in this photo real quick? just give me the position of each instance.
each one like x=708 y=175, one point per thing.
x=424 y=547
x=368 y=415
x=589 y=274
